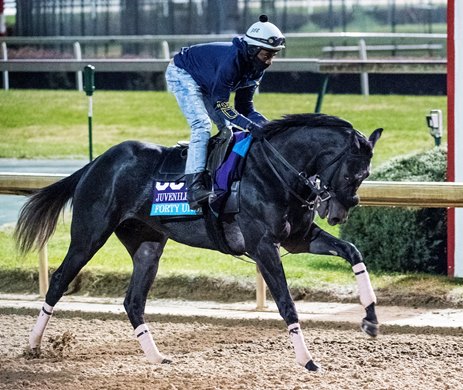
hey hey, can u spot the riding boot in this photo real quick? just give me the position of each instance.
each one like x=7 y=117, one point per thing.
x=197 y=192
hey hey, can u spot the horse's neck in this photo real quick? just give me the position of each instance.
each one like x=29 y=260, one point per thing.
x=304 y=148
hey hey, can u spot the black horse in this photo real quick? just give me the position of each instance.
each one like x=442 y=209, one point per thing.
x=301 y=164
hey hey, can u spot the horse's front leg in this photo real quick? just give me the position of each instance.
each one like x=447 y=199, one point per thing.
x=317 y=241
x=267 y=257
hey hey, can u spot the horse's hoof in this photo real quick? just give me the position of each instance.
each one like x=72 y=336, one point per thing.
x=32 y=353
x=166 y=361
x=312 y=366
x=370 y=328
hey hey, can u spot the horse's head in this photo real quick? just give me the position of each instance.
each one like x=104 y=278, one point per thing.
x=343 y=175
x=336 y=161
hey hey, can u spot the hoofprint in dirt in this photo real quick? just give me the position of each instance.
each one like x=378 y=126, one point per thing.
x=97 y=353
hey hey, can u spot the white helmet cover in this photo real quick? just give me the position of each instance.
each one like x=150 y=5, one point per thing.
x=265 y=35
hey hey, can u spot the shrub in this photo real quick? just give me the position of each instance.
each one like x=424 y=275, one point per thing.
x=401 y=239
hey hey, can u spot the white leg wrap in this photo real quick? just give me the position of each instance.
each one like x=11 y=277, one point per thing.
x=367 y=295
x=148 y=345
x=35 y=338
x=303 y=355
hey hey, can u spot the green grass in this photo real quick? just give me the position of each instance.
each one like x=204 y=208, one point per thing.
x=52 y=124
x=177 y=259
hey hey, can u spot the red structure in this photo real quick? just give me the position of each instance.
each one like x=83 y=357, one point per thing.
x=2 y=18
x=455 y=133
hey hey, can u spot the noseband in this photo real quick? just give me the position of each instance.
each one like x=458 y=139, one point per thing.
x=320 y=191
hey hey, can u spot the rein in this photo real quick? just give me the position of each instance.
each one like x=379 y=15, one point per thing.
x=321 y=191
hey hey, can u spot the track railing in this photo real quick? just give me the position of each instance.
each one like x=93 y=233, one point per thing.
x=372 y=193
x=279 y=65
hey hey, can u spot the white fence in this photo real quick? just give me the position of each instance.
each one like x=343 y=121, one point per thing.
x=279 y=65
x=432 y=43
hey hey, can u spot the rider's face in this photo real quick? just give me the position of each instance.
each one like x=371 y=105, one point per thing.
x=266 y=56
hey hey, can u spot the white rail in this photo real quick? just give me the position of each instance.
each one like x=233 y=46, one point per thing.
x=279 y=65
x=159 y=65
x=183 y=38
x=372 y=193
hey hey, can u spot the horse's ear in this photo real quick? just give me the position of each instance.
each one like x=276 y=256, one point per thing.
x=354 y=141
x=375 y=136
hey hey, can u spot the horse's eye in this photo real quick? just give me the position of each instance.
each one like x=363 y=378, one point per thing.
x=346 y=178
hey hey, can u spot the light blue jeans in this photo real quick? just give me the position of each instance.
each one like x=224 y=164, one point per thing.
x=198 y=112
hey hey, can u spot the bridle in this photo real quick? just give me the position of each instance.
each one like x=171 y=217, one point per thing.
x=320 y=189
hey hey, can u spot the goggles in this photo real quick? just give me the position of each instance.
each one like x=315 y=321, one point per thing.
x=272 y=41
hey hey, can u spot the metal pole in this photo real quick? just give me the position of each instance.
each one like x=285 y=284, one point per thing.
x=78 y=56
x=89 y=87
x=165 y=50
x=321 y=93
x=364 y=84
x=6 y=80
x=166 y=56
x=90 y=129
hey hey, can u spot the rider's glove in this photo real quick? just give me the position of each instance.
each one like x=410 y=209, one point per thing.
x=256 y=131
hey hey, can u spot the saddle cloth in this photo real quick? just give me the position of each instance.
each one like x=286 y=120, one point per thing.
x=169 y=190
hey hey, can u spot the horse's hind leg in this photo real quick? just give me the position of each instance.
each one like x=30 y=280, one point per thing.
x=84 y=244
x=145 y=245
x=75 y=259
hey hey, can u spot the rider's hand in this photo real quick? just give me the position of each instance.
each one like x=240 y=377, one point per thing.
x=256 y=131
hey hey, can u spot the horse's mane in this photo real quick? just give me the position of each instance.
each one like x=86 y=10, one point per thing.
x=304 y=120
x=311 y=121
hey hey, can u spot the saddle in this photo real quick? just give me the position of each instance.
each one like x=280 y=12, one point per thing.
x=223 y=172
x=225 y=189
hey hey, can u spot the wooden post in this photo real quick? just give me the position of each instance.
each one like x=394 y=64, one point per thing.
x=261 y=290
x=43 y=271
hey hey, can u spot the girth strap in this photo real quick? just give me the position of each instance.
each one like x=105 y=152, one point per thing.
x=216 y=233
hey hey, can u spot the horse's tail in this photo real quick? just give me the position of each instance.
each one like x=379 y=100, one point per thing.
x=39 y=215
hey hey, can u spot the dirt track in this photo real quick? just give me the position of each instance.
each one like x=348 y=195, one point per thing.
x=103 y=354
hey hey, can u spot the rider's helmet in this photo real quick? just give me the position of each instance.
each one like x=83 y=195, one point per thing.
x=264 y=35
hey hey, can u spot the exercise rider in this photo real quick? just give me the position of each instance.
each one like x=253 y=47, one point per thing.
x=202 y=78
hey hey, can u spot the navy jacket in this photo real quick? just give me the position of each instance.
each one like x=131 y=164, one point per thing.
x=221 y=68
